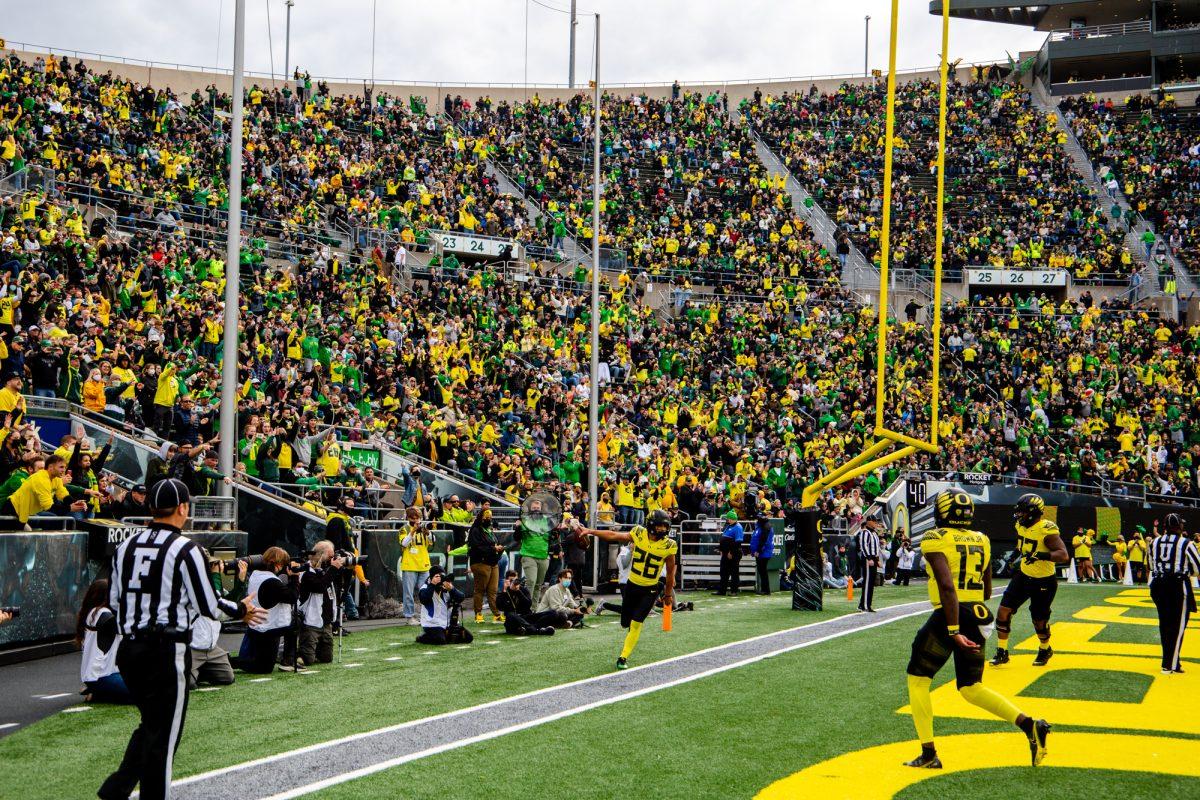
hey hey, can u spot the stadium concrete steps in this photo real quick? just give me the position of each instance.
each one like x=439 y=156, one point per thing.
x=1082 y=163
x=859 y=274
x=571 y=247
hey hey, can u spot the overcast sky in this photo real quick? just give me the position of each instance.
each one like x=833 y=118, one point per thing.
x=484 y=40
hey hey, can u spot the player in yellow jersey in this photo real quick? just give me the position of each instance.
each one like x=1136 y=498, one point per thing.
x=653 y=556
x=958 y=561
x=1040 y=547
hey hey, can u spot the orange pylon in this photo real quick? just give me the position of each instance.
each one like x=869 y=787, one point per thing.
x=850 y=589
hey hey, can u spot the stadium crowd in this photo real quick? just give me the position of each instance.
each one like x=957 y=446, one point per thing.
x=1012 y=196
x=1145 y=149
x=488 y=376
x=686 y=197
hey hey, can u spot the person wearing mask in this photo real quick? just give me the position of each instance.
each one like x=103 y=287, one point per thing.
x=1137 y=554
x=519 y=617
x=338 y=530
x=558 y=597
x=96 y=633
x=730 y=548
x=277 y=593
x=535 y=557
x=1082 y=544
x=210 y=661
x=868 y=559
x=438 y=599
x=483 y=552
x=415 y=540
x=762 y=548
x=904 y=562
x=317 y=601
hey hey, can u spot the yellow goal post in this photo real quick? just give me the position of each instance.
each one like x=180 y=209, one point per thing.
x=889 y=445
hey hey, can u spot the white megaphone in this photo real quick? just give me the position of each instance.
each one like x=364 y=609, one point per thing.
x=1072 y=576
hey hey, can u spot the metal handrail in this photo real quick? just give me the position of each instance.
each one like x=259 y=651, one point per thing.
x=1094 y=31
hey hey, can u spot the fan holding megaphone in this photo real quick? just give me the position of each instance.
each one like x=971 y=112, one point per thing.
x=541 y=514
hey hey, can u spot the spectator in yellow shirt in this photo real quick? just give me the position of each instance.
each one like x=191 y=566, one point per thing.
x=40 y=492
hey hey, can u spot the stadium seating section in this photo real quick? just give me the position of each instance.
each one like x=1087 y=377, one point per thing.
x=703 y=399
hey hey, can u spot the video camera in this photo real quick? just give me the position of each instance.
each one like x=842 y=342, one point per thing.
x=12 y=611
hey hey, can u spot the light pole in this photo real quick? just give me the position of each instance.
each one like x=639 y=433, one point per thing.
x=229 y=352
x=867 y=46
x=594 y=398
x=287 y=40
x=571 y=50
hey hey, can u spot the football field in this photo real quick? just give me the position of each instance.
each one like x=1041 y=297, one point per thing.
x=744 y=698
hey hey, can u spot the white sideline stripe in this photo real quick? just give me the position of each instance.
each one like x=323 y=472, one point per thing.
x=924 y=604
x=362 y=772
x=76 y=709
x=6 y=725
x=52 y=696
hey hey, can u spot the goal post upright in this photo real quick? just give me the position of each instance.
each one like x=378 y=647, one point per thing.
x=876 y=455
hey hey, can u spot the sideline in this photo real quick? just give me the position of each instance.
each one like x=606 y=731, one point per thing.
x=372 y=747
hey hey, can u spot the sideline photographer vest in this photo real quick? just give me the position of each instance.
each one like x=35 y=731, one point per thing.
x=280 y=615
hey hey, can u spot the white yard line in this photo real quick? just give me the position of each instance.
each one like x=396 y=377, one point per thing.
x=922 y=606
x=300 y=791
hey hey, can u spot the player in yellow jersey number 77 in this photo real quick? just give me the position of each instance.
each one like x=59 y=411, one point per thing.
x=653 y=560
x=958 y=561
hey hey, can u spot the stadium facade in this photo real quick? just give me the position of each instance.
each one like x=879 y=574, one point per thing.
x=1104 y=46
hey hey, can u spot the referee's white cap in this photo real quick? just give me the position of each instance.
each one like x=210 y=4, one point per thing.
x=168 y=494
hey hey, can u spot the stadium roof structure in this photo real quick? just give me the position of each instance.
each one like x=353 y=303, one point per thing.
x=1048 y=15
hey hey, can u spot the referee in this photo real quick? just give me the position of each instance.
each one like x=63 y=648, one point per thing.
x=159 y=588
x=1173 y=559
x=868 y=557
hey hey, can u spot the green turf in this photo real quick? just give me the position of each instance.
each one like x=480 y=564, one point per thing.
x=1055 y=784
x=423 y=682
x=1091 y=684
x=730 y=735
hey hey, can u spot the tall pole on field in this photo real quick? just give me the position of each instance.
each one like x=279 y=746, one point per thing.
x=287 y=41
x=594 y=401
x=571 y=50
x=229 y=352
x=867 y=47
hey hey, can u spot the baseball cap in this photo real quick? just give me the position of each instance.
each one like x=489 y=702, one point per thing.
x=139 y=487
x=168 y=494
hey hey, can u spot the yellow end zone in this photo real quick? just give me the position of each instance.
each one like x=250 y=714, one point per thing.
x=877 y=772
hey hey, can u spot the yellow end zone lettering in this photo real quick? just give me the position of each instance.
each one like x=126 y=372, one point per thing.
x=877 y=773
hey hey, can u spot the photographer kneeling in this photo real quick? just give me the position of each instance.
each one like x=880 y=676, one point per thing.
x=318 y=601
x=276 y=592
x=559 y=598
x=440 y=603
x=519 y=618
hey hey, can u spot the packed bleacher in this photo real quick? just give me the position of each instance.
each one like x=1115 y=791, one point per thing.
x=1012 y=196
x=313 y=161
x=705 y=402
x=1146 y=148
x=685 y=195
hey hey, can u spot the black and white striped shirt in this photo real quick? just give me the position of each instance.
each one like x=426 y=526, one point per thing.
x=868 y=543
x=160 y=581
x=1174 y=554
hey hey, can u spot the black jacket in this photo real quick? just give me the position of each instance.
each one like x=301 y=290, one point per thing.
x=516 y=600
x=481 y=544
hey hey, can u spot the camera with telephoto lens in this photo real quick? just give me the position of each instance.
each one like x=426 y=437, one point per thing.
x=12 y=611
x=349 y=559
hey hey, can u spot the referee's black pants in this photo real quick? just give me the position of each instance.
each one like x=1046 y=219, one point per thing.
x=156 y=672
x=867 y=597
x=1172 y=597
